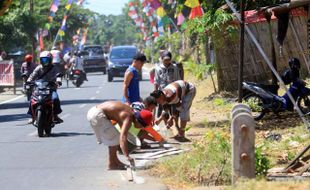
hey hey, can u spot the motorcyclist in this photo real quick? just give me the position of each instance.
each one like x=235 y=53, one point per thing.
x=27 y=68
x=47 y=71
x=57 y=59
x=77 y=63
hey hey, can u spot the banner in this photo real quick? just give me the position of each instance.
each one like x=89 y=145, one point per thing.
x=7 y=73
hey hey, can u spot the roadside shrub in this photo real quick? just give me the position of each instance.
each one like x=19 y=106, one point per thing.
x=262 y=163
x=208 y=163
x=198 y=70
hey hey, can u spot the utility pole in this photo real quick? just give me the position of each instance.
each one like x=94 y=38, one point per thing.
x=241 y=56
x=31 y=9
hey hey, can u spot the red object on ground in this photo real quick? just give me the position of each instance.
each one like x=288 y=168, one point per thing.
x=153 y=133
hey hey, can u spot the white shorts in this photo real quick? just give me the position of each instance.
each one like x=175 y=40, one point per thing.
x=105 y=132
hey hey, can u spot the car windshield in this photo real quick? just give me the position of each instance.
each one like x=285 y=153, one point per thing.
x=94 y=51
x=123 y=53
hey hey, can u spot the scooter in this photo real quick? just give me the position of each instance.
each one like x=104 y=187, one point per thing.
x=77 y=76
x=262 y=101
x=42 y=105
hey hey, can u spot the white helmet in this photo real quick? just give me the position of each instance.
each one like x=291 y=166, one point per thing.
x=46 y=58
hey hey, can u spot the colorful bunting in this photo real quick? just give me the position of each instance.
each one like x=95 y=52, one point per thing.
x=53 y=9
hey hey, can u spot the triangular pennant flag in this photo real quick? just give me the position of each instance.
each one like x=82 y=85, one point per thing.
x=161 y=12
x=181 y=19
x=192 y=3
x=155 y=4
x=196 y=12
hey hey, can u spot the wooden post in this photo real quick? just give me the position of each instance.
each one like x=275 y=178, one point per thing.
x=241 y=47
x=243 y=143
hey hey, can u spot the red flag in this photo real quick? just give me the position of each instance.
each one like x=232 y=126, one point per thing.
x=41 y=42
x=196 y=12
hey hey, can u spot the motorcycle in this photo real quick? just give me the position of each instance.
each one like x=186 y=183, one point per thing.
x=42 y=105
x=26 y=88
x=77 y=77
x=262 y=101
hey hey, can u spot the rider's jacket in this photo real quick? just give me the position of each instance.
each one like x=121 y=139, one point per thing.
x=49 y=73
x=27 y=68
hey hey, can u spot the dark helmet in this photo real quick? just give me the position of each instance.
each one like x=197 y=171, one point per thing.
x=294 y=63
x=46 y=58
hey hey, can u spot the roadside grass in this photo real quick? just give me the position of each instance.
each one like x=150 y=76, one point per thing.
x=207 y=163
x=262 y=184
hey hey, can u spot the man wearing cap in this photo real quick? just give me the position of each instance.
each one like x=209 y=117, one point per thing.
x=165 y=73
x=100 y=117
x=131 y=90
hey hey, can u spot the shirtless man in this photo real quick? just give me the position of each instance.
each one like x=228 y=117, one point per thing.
x=180 y=93
x=100 y=117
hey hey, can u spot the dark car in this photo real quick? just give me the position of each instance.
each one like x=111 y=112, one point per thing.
x=94 y=60
x=120 y=59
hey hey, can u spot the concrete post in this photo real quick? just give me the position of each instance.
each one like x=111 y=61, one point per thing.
x=243 y=143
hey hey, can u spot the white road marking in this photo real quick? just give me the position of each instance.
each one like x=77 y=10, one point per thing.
x=12 y=100
x=98 y=92
x=77 y=88
x=82 y=106
x=100 y=87
x=93 y=98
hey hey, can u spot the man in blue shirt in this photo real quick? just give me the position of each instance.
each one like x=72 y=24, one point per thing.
x=131 y=89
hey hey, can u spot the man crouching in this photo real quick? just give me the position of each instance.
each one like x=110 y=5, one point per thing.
x=100 y=117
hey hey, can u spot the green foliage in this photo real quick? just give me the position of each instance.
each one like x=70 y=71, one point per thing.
x=208 y=162
x=116 y=30
x=198 y=70
x=262 y=163
x=219 y=102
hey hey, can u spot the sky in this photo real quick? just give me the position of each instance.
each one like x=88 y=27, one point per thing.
x=106 y=7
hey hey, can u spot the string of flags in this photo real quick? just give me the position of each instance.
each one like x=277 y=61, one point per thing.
x=158 y=18
x=138 y=19
x=53 y=9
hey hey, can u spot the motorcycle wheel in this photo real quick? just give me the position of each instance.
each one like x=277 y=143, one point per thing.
x=40 y=123
x=48 y=130
x=256 y=105
x=78 y=83
x=304 y=104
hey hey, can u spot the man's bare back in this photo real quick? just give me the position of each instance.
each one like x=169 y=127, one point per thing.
x=117 y=111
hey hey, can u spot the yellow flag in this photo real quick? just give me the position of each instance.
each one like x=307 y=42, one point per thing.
x=68 y=6
x=61 y=33
x=161 y=12
x=192 y=3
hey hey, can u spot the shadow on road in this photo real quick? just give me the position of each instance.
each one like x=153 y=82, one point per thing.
x=14 y=105
x=14 y=117
x=64 y=87
x=84 y=101
x=70 y=134
x=63 y=102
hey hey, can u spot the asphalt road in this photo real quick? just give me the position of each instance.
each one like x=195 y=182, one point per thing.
x=70 y=158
